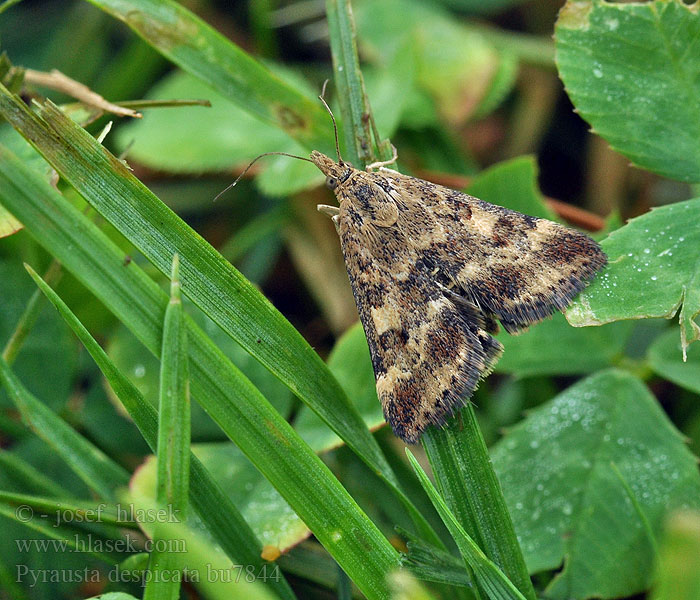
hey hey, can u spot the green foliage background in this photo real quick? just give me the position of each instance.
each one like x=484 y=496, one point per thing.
x=295 y=488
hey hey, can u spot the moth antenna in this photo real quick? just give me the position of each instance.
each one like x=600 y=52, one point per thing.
x=252 y=162
x=330 y=112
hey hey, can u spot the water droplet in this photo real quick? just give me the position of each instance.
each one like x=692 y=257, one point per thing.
x=139 y=371
x=597 y=73
x=653 y=277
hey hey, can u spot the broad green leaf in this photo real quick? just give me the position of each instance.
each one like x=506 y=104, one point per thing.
x=272 y=520
x=653 y=270
x=666 y=359
x=454 y=64
x=632 y=72
x=193 y=139
x=678 y=571
x=350 y=363
x=197 y=48
x=490 y=578
x=513 y=184
x=232 y=401
x=561 y=472
x=553 y=347
x=224 y=136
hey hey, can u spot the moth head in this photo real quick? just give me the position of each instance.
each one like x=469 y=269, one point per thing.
x=336 y=172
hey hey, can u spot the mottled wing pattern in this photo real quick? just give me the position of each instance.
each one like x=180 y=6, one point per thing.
x=433 y=271
x=515 y=268
x=429 y=347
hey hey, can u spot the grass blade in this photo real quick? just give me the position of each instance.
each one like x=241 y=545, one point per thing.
x=174 y=406
x=197 y=48
x=348 y=82
x=467 y=481
x=173 y=454
x=212 y=283
x=490 y=578
x=231 y=400
x=29 y=317
x=221 y=517
x=96 y=469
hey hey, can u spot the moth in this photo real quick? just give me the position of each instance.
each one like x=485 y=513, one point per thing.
x=433 y=272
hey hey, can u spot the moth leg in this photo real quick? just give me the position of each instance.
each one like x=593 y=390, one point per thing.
x=384 y=163
x=332 y=211
x=326 y=209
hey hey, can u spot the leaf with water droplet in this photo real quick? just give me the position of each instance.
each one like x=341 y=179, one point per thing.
x=631 y=71
x=637 y=284
x=569 y=504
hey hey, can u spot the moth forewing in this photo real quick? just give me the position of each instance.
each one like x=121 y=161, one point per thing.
x=433 y=271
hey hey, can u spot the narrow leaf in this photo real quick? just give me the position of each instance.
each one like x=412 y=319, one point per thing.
x=213 y=506
x=96 y=469
x=173 y=452
x=239 y=409
x=212 y=283
x=197 y=48
x=489 y=576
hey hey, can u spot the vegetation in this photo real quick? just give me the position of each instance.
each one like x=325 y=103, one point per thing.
x=572 y=473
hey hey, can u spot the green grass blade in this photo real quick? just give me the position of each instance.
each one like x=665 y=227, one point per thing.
x=29 y=477
x=216 y=577
x=348 y=83
x=197 y=48
x=29 y=316
x=96 y=469
x=221 y=517
x=173 y=454
x=174 y=407
x=467 y=481
x=68 y=512
x=212 y=283
x=231 y=400
x=66 y=537
x=490 y=578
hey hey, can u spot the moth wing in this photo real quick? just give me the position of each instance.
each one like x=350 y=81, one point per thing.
x=516 y=268
x=429 y=349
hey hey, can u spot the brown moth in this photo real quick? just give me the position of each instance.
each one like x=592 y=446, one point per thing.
x=433 y=272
